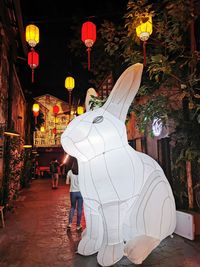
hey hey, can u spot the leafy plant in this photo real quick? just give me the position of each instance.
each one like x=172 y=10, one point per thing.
x=13 y=164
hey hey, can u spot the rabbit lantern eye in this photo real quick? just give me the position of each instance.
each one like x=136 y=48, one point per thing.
x=98 y=119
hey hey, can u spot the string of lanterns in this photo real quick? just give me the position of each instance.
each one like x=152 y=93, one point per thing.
x=32 y=38
x=55 y=112
x=88 y=36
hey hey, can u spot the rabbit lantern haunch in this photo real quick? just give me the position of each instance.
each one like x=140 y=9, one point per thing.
x=128 y=203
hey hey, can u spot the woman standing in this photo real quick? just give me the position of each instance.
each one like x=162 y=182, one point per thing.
x=75 y=196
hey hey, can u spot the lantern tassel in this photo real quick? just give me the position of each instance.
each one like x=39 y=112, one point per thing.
x=32 y=76
x=35 y=120
x=144 y=53
x=88 y=50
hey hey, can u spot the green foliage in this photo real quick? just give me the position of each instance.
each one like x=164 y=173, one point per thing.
x=145 y=117
x=170 y=61
x=186 y=147
x=13 y=163
x=96 y=102
x=25 y=176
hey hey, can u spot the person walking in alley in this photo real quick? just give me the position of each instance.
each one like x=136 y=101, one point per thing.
x=54 y=169
x=76 y=199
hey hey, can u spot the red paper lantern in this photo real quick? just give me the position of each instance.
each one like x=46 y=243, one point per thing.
x=33 y=61
x=54 y=130
x=55 y=109
x=35 y=113
x=88 y=36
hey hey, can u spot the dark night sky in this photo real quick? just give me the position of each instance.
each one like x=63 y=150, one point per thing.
x=54 y=19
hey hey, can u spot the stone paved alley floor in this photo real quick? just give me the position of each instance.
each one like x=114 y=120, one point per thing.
x=35 y=235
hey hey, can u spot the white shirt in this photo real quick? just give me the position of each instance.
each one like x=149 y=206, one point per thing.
x=74 y=185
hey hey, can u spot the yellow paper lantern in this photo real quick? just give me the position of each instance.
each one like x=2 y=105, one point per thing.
x=80 y=110
x=144 y=29
x=32 y=35
x=56 y=120
x=36 y=107
x=42 y=129
x=69 y=83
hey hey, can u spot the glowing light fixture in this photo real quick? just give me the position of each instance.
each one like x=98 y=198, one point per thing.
x=80 y=110
x=69 y=85
x=144 y=30
x=27 y=146
x=157 y=126
x=88 y=36
x=11 y=133
x=55 y=109
x=42 y=129
x=32 y=35
x=36 y=107
x=35 y=110
x=33 y=61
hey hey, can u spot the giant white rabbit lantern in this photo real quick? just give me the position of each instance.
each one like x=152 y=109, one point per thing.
x=128 y=202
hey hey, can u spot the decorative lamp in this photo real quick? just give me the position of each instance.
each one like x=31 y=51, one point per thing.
x=32 y=35
x=11 y=133
x=33 y=61
x=88 y=36
x=143 y=31
x=80 y=110
x=35 y=110
x=55 y=109
x=36 y=107
x=54 y=130
x=27 y=146
x=69 y=85
x=56 y=120
x=42 y=129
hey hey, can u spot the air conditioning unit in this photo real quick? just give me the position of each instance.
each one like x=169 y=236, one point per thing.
x=185 y=225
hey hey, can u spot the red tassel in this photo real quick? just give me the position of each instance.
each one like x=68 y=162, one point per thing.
x=88 y=50
x=32 y=76
x=144 y=52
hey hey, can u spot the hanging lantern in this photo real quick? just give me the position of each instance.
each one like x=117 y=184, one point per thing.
x=54 y=130
x=143 y=31
x=42 y=129
x=69 y=83
x=35 y=110
x=88 y=36
x=32 y=35
x=55 y=109
x=56 y=120
x=33 y=61
x=80 y=110
x=36 y=107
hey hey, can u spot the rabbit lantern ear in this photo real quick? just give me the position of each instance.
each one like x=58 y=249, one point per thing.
x=124 y=91
x=90 y=92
